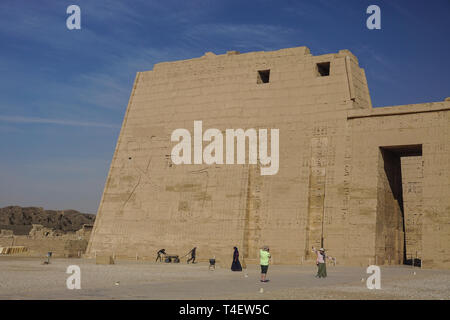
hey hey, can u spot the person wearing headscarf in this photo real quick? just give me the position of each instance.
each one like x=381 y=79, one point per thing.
x=321 y=262
x=236 y=265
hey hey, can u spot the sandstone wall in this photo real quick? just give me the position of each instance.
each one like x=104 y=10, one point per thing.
x=150 y=204
x=427 y=125
x=329 y=189
x=412 y=176
x=42 y=240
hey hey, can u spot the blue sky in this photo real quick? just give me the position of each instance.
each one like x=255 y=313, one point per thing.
x=63 y=93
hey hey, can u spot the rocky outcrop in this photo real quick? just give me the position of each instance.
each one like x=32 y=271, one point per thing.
x=20 y=220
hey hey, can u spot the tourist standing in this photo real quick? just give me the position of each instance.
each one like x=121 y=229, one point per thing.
x=264 y=257
x=321 y=262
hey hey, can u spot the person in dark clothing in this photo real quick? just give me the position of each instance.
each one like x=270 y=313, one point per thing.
x=236 y=265
x=160 y=254
x=212 y=263
x=192 y=258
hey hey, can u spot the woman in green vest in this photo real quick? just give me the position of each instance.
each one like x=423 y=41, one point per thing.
x=264 y=258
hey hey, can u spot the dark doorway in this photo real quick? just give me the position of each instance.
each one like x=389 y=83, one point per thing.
x=391 y=230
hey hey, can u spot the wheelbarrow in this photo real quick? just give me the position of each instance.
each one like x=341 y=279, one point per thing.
x=172 y=258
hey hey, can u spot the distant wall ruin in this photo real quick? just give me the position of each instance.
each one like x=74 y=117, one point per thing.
x=41 y=240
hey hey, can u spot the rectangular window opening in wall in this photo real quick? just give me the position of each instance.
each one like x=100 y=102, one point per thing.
x=263 y=76
x=323 y=69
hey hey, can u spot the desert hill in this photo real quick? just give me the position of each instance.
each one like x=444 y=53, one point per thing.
x=21 y=219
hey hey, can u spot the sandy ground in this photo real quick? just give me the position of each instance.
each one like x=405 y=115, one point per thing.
x=28 y=278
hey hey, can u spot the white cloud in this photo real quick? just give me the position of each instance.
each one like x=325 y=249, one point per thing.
x=63 y=122
x=262 y=36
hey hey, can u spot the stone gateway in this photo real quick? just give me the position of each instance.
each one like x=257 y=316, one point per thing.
x=370 y=185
